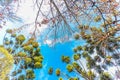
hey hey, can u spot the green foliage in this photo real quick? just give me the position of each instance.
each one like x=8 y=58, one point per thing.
x=21 y=77
x=101 y=50
x=102 y=40
x=76 y=56
x=50 y=70
x=105 y=76
x=38 y=65
x=97 y=18
x=7 y=42
x=28 y=48
x=6 y=63
x=7 y=78
x=76 y=66
x=77 y=36
x=20 y=38
x=38 y=58
x=60 y=78
x=9 y=30
x=26 y=53
x=75 y=49
x=91 y=75
x=30 y=74
x=58 y=72
x=97 y=58
x=65 y=59
x=79 y=48
x=69 y=67
x=35 y=44
x=28 y=60
x=22 y=54
x=38 y=50
x=75 y=78
x=13 y=35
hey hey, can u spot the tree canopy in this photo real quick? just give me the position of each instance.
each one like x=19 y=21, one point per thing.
x=6 y=63
x=97 y=22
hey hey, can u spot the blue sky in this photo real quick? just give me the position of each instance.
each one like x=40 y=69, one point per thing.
x=52 y=57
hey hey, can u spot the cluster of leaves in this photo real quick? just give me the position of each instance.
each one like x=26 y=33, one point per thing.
x=26 y=54
x=100 y=52
x=6 y=63
x=102 y=43
x=69 y=67
x=62 y=13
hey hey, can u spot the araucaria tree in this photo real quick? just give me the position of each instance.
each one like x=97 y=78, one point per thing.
x=100 y=53
x=25 y=54
x=97 y=22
